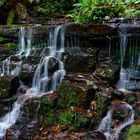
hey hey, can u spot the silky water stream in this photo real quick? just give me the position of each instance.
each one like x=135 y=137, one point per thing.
x=12 y=64
x=41 y=77
x=129 y=51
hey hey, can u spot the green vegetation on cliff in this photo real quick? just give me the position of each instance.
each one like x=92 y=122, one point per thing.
x=99 y=10
x=82 y=11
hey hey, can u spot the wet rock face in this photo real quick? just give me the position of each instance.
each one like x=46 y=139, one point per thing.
x=8 y=86
x=87 y=30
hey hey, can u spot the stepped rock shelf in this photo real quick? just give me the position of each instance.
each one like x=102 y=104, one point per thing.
x=69 y=81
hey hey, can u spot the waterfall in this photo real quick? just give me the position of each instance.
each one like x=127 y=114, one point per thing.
x=11 y=67
x=106 y=126
x=25 y=39
x=40 y=80
x=129 y=61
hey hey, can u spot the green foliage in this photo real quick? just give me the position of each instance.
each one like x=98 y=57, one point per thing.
x=100 y=10
x=2 y=39
x=2 y=2
x=52 y=6
x=134 y=133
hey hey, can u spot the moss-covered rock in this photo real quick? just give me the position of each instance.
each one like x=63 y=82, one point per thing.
x=130 y=98
x=80 y=63
x=134 y=132
x=70 y=96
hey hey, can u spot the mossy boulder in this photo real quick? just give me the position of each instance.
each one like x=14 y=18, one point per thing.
x=70 y=96
x=80 y=63
x=134 y=132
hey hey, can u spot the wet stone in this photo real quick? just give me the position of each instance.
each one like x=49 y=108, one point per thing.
x=8 y=85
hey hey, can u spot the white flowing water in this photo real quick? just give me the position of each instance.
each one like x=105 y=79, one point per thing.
x=106 y=123
x=11 y=67
x=130 y=62
x=25 y=40
x=40 y=80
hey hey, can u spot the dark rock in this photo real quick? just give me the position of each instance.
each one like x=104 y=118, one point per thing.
x=94 y=136
x=108 y=71
x=8 y=85
x=27 y=73
x=118 y=94
x=87 y=30
x=79 y=63
x=6 y=105
x=32 y=59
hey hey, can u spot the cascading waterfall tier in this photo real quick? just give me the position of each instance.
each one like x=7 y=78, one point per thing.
x=129 y=60
x=108 y=125
x=41 y=78
x=12 y=64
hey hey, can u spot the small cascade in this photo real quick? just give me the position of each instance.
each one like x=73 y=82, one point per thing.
x=41 y=81
x=129 y=61
x=12 y=66
x=109 y=127
x=25 y=40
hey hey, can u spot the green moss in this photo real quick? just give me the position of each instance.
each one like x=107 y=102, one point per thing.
x=70 y=97
x=11 y=16
x=74 y=120
x=11 y=46
x=2 y=39
x=134 y=133
x=90 y=64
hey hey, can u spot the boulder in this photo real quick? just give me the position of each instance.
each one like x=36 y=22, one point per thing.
x=8 y=86
x=27 y=73
x=80 y=63
x=108 y=71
